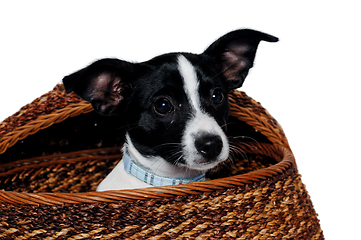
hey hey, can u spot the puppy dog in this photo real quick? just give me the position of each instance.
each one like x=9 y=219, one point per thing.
x=175 y=105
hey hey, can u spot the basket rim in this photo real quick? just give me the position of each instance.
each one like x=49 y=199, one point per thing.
x=42 y=122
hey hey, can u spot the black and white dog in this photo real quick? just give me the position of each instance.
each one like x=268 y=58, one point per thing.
x=175 y=105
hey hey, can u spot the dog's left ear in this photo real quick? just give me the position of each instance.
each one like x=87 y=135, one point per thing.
x=235 y=52
x=106 y=84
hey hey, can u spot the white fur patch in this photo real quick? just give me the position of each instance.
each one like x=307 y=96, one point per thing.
x=201 y=122
x=190 y=82
x=157 y=164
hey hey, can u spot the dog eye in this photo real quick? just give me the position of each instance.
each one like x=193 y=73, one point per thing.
x=217 y=96
x=163 y=106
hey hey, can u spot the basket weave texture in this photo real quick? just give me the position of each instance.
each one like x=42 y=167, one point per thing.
x=56 y=150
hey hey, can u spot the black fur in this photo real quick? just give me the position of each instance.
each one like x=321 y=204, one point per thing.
x=132 y=90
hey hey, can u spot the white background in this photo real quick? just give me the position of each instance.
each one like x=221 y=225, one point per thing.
x=309 y=81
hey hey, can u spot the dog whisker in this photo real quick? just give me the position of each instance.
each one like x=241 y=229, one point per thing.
x=235 y=150
x=245 y=137
x=132 y=127
x=166 y=145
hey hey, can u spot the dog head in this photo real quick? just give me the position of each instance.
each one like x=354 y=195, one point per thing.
x=175 y=105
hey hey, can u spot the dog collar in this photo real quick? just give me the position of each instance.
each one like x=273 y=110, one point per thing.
x=148 y=177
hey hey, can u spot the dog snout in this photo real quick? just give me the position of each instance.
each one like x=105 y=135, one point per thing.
x=209 y=146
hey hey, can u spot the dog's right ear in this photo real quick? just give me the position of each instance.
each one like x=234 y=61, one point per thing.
x=105 y=83
x=235 y=52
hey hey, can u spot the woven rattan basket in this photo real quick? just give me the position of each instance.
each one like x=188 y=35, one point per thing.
x=56 y=150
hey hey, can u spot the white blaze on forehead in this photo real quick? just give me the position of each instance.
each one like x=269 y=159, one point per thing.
x=190 y=80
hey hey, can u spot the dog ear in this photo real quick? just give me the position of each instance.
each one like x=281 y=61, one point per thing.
x=105 y=84
x=235 y=52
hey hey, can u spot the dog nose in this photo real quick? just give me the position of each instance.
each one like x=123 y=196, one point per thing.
x=209 y=146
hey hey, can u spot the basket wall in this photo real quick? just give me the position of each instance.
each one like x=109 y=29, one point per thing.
x=50 y=166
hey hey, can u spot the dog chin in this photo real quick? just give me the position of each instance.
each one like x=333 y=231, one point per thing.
x=202 y=167
x=194 y=161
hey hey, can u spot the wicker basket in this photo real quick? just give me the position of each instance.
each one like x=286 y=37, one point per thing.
x=54 y=153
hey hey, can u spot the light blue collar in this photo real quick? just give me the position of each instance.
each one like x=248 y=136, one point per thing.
x=148 y=177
